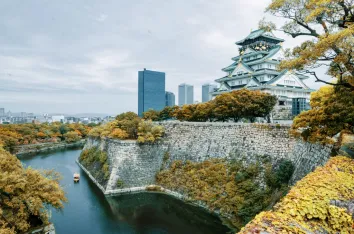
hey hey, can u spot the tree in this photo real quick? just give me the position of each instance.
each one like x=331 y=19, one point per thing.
x=127 y=116
x=166 y=113
x=152 y=115
x=223 y=110
x=332 y=111
x=72 y=136
x=328 y=28
x=149 y=133
x=119 y=134
x=25 y=195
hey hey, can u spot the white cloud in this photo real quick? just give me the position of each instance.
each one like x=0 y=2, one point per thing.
x=101 y=17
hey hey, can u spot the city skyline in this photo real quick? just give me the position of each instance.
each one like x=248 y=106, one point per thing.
x=101 y=50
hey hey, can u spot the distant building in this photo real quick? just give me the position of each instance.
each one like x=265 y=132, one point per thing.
x=2 y=111
x=58 y=118
x=170 y=99
x=299 y=105
x=207 y=89
x=185 y=94
x=151 y=91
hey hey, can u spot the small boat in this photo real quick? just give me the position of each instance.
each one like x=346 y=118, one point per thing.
x=76 y=177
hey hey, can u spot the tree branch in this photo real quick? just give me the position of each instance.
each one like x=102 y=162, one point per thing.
x=344 y=84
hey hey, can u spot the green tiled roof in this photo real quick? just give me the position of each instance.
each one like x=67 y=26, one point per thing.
x=258 y=33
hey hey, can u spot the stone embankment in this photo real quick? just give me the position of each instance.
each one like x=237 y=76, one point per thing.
x=46 y=147
x=135 y=165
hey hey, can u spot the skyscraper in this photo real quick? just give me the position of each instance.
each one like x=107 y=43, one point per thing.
x=2 y=111
x=185 y=94
x=170 y=99
x=151 y=91
x=207 y=89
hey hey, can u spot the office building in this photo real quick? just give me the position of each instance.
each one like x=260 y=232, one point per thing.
x=299 y=105
x=151 y=91
x=207 y=90
x=170 y=99
x=2 y=111
x=185 y=94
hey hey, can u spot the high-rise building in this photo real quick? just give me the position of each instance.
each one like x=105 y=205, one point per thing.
x=299 y=105
x=2 y=111
x=185 y=94
x=255 y=68
x=151 y=91
x=207 y=89
x=170 y=99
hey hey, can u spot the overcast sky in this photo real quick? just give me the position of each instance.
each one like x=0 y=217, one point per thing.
x=84 y=55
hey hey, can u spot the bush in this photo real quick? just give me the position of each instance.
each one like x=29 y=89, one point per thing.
x=120 y=183
x=149 y=133
x=232 y=188
x=97 y=163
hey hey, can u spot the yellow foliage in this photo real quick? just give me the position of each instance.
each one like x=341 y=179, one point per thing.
x=25 y=192
x=230 y=188
x=118 y=133
x=307 y=206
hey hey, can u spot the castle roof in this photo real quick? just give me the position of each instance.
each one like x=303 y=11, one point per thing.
x=258 y=34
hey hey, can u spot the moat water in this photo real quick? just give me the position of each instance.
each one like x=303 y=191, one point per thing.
x=88 y=211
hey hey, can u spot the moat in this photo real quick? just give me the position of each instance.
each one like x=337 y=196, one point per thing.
x=89 y=211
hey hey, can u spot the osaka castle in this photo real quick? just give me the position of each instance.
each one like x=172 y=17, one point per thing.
x=255 y=68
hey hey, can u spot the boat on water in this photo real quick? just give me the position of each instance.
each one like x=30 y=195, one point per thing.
x=76 y=177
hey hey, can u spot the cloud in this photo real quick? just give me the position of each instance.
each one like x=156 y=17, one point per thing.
x=101 y=17
x=89 y=53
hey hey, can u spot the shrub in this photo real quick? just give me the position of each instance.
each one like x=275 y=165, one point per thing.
x=230 y=187
x=120 y=183
x=97 y=163
x=149 y=133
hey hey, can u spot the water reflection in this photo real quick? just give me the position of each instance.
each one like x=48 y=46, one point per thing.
x=159 y=213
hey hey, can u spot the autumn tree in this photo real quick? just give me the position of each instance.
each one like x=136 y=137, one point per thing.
x=26 y=194
x=166 y=113
x=151 y=115
x=148 y=132
x=332 y=111
x=71 y=136
x=328 y=29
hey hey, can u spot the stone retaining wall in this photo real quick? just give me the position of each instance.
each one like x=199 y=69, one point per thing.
x=136 y=165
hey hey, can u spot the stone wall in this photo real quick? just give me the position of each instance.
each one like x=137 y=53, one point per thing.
x=136 y=165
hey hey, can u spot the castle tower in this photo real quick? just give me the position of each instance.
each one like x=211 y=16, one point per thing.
x=255 y=68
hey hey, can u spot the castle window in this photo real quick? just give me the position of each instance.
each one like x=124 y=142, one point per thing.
x=261 y=78
x=240 y=82
x=269 y=65
x=259 y=66
x=239 y=73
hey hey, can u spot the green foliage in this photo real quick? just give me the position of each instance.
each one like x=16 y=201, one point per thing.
x=120 y=183
x=96 y=161
x=280 y=174
x=231 y=187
